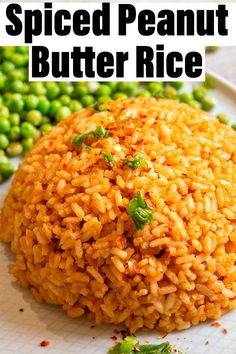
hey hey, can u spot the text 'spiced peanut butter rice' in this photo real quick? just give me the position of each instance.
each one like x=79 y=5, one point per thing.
x=76 y=243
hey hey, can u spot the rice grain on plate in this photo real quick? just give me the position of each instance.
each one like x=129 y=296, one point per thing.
x=77 y=246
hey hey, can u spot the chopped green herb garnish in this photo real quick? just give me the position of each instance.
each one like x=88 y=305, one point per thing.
x=87 y=148
x=130 y=345
x=137 y=161
x=108 y=158
x=99 y=132
x=139 y=211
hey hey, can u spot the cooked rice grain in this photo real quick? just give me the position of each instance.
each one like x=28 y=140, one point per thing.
x=75 y=244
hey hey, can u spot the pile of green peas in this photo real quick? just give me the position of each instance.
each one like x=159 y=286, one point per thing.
x=30 y=109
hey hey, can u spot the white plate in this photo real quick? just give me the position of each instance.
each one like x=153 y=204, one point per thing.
x=21 y=332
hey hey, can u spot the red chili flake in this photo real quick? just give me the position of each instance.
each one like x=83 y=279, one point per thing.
x=21 y=310
x=207 y=342
x=136 y=268
x=225 y=330
x=132 y=150
x=122 y=208
x=216 y=324
x=93 y=326
x=174 y=350
x=147 y=169
x=64 y=166
x=44 y=343
x=114 y=337
x=116 y=331
x=125 y=333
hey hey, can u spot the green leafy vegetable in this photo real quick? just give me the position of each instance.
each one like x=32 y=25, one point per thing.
x=137 y=161
x=109 y=158
x=139 y=211
x=130 y=345
x=99 y=132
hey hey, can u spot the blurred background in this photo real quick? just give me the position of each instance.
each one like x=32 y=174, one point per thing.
x=222 y=62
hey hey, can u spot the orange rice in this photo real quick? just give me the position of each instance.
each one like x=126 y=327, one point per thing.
x=75 y=243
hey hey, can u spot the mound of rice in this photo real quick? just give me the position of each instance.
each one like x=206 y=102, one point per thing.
x=75 y=243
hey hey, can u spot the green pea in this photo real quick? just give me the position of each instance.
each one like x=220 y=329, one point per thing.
x=212 y=48
x=143 y=93
x=208 y=103
x=14 y=118
x=4 y=158
x=155 y=87
x=65 y=100
x=27 y=144
x=92 y=86
x=6 y=169
x=4 y=112
x=22 y=49
x=103 y=90
x=223 y=118
x=117 y=95
x=19 y=59
x=37 y=88
x=27 y=130
x=209 y=82
x=62 y=113
x=34 y=117
x=43 y=105
x=53 y=90
x=5 y=125
x=14 y=133
x=15 y=103
x=2 y=153
x=18 y=86
x=75 y=105
x=54 y=107
x=170 y=92
x=127 y=87
x=44 y=128
x=31 y=102
x=7 y=67
x=87 y=100
x=176 y=84
x=66 y=88
x=199 y=93
x=104 y=98
x=18 y=74
x=14 y=149
x=4 y=142
x=2 y=80
x=7 y=53
x=233 y=126
x=113 y=85
x=80 y=89
x=195 y=104
x=186 y=97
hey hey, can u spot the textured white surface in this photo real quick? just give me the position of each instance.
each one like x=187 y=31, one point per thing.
x=21 y=332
